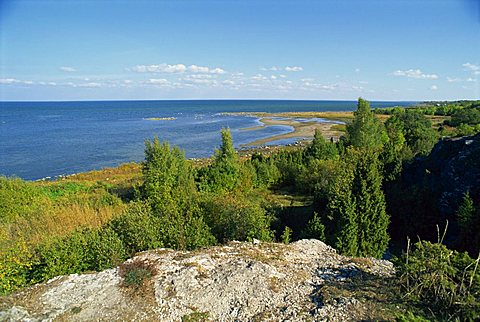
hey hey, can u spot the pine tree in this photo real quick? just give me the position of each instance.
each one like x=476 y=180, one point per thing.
x=342 y=227
x=371 y=207
x=365 y=131
x=320 y=148
x=356 y=208
x=468 y=222
x=225 y=172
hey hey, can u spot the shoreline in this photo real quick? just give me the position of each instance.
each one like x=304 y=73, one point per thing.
x=302 y=131
x=304 y=125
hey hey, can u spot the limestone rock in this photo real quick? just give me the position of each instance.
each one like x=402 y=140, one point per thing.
x=235 y=282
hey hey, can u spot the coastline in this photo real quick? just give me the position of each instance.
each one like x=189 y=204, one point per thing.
x=303 y=131
x=303 y=124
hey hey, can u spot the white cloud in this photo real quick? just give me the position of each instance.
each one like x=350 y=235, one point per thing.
x=68 y=69
x=9 y=81
x=176 y=68
x=453 y=80
x=273 y=68
x=286 y=68
x=158 y=81
x=293 y=69
x=472 y=67
x=434 y=87
x=475 y=69
x=161 y=68
x=90 y=85
x=414 y=73
x=259 y=77
x=282 y=76
x=470 y=79
x=217 y=71
x=357 y=70
x=198 y=76
x=273 y=77
x=198 y=69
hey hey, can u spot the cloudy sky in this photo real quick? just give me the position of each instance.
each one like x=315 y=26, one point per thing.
x=380 y=50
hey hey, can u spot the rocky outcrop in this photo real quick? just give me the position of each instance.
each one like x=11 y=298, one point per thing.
x=451 y=170
x=303 y=281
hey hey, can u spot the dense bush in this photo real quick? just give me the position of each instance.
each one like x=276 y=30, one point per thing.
x=470 y=116
x=169 y=190
x=138 y=228
x=15 y=265
x=83 y=250
x=20 y=199
x=444 y=281
x=236 y=217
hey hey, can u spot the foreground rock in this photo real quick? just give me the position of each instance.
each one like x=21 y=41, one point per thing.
x=304 y=281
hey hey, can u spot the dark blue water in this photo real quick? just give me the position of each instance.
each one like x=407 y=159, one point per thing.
x=40 y=139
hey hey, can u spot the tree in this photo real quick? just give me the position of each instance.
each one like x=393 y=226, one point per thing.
x=393 y=153
x=365 y=131
x=357 y=208
x=167 y=177
x=320 y=148
x=417 y=130
x=225 y=172
x=469 y=223
x=169 y=189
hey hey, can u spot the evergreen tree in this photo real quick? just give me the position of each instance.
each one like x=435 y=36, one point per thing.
x=372 y=218
x=341 y=225
x=469 y=223
x=365 y=131
x=356 y=208
x=320 y=148
x=225 y=172
x=393 y=153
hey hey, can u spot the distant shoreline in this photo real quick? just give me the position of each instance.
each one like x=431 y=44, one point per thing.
x=303 y=124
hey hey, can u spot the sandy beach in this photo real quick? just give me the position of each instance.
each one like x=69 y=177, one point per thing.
x=304 y=125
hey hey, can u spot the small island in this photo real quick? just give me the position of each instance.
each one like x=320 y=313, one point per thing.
x=161 y=118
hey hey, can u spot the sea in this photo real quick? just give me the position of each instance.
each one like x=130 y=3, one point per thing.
x=51 y=139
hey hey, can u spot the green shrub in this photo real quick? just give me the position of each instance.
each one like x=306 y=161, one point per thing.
x=266 y=172
x=83 y=250
x=287 y=235
x=315 y=228
x=235 y=217
x=410 y=317
x=20 y=199
x=136 y=273
x=446 y=282
x=15 y=265
x=138 y=228
x=60 y=189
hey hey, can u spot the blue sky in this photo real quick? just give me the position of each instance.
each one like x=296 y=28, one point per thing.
x=380 y=50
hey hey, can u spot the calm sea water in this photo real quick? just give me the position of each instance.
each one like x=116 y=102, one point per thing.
x=40 y=139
